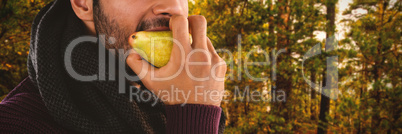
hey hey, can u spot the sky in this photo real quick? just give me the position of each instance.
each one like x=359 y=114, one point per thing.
x=340 y=27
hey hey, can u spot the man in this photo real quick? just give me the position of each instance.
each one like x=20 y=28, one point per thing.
x=53 y=100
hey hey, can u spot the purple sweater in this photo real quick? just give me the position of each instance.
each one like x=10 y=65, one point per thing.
x=23 y=111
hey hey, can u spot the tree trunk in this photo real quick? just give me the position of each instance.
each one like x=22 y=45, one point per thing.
x=375 y=119
x=325 y=101
x=313 y=96
x=283 y=81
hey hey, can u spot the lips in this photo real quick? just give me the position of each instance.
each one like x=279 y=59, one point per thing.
x=159 y=29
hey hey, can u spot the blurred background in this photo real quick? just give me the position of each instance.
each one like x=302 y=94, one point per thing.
x=369 y=85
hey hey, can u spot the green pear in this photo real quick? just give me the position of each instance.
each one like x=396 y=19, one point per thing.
x=153 y=46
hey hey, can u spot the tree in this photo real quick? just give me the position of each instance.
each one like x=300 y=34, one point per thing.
x=325 y=100
x=16 y=17
x=265 y=26
x=377 y=36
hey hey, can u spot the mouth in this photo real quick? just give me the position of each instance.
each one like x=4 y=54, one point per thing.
x=162 y=28
x=158 y=29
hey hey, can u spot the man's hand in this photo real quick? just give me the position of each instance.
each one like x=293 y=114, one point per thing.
x=196 y=70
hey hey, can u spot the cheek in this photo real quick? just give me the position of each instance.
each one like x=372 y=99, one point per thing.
x=126 y=13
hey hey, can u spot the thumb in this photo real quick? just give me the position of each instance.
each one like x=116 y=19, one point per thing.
x=141 y=67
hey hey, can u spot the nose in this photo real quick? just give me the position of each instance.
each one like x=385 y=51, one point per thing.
x=169 y=8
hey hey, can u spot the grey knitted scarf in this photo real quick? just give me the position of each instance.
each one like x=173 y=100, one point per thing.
x=84 y=107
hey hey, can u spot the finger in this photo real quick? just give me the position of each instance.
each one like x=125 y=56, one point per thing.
x=198 y=27
x=180 y=30
x=219 y=65
x=211 y=48
x=141 y=67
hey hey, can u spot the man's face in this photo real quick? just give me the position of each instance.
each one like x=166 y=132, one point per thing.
x=121 y=18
